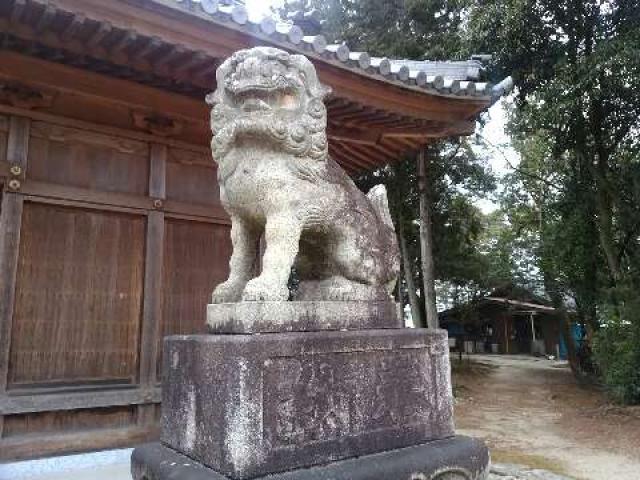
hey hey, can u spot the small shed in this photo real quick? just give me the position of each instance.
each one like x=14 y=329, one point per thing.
x=509 y=320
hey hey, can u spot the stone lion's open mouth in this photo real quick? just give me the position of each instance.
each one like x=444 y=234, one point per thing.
x=262 y=99
x=255 y=99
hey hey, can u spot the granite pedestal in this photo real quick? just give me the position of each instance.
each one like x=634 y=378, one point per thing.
x=309 y=404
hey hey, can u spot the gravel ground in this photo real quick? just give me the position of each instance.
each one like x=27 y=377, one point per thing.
x=531 y=411
x=114 y=465
x=520 y=472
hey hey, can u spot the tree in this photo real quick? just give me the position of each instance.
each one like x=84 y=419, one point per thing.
x=418 y=29
x=576 y=66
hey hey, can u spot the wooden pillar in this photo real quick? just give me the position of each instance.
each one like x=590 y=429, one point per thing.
x=533 y=332
x=10 y=224
x=152 y=304
x=507 y=333
x=426 y=242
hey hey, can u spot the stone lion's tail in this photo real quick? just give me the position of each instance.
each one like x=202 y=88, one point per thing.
x=378 y=198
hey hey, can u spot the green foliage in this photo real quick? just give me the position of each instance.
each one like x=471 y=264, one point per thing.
x=569 y=225
x=415 y=29
x=617 y=352
x=457 y=178
x=576 y=66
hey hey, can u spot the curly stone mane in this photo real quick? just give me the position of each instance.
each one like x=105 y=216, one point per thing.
x=271 y=95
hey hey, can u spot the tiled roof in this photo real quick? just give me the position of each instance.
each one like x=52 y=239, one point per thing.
x=445 y=78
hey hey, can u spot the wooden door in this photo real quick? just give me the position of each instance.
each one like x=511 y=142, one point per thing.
x=108 y=241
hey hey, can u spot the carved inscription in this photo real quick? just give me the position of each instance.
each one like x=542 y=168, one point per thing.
x=316 y=398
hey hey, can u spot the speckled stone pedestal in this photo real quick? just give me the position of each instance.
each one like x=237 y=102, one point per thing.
x=301 y=316
x=455 y=458
x=310 y=404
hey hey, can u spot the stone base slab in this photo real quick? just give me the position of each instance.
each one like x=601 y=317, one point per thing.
x=301 y=316
x=250 y=405
x=455 y=458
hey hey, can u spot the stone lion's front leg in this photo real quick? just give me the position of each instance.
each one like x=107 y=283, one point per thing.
x=244 y=239
x=282 y=234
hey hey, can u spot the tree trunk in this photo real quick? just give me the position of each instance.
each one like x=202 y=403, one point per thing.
x=565 y=327
x=416 y=314
x=426 y=243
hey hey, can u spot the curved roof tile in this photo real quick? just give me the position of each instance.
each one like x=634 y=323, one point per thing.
x=439 y=77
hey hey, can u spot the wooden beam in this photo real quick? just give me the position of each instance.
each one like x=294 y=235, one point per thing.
x=157 y=171
x=10 y=223
x=154 y=258
x=352 y=135
x=359 y=160
x=79 y=82
x=367 y=151
x=131 y=202
x=87 y=198
x=163 y=22
x=44 y=445
x=109 y=130
x=89 y=49
x=33 y=403
x=372 y=136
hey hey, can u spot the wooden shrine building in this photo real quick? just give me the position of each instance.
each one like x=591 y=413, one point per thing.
x=111 y=231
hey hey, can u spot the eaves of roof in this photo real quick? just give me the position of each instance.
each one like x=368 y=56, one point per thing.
x=458 y=79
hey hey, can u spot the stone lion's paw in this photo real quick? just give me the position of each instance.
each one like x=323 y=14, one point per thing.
x=226 y=292
x=258 y=290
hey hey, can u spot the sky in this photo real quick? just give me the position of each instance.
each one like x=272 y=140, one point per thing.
x=500 y=154
x=258 y=8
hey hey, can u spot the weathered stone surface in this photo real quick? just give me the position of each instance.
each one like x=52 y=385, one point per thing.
x=455 y=458
x=265 y=317
x=248 y=405
x=276 y=178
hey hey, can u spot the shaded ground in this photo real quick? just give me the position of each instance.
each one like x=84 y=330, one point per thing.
x=531 y=411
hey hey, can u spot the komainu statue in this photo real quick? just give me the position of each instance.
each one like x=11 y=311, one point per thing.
x=276 y=177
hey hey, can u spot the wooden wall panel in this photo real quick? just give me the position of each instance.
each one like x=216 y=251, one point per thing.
x=4 y=130
x=191 y=177
x=195 y=261
x=78 y=297
x=68 y=421
x=81 y=158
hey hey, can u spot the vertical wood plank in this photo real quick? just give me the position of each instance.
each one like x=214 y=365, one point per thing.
x=18 y=142
x=152 y=306
x=10 y=223
x=158 y=171
x=78 y=297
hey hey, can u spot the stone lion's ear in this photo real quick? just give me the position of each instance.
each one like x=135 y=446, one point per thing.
x=308 y=71
x=222 y=74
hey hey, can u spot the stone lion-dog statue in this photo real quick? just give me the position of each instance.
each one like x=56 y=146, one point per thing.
x=276 y=178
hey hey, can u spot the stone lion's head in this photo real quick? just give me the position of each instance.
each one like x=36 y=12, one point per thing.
x=267 y=94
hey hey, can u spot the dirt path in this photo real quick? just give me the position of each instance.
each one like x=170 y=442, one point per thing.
x=532 y=411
